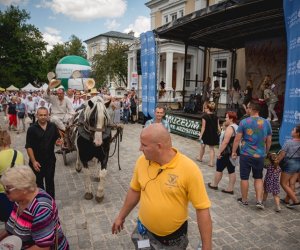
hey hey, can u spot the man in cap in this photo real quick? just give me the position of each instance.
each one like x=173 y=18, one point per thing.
x=61 y=112
x=61 y=107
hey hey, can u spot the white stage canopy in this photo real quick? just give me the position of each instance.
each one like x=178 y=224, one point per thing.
x=29 y=87
x=12 y=88
x=44 y=86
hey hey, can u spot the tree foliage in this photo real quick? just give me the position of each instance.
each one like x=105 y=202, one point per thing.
x=21 y=49
x=23 y=55
x=111 y=64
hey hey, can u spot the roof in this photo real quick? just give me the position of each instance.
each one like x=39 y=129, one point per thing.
x=114 y=34
x=228 y=25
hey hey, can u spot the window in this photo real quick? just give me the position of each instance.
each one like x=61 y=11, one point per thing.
x=94 y=50
x=181 y=13
x=166 y=19
x=220 y=72
x=173 y=16
x=188 y=65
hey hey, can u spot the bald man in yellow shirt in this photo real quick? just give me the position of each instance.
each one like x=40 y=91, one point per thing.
x=164 y=181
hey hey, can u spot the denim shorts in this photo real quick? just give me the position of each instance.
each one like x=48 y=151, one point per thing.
x=248 y=163
x=293 y=166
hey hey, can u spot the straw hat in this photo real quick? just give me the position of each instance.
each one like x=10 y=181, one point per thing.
x=54 y=83
x=50 y=76
x=94 y=91
x=90 y=83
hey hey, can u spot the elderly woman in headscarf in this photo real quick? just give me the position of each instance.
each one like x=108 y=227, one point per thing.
x=35 y=216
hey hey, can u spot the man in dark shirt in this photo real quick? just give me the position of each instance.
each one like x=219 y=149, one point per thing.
x=40 y=141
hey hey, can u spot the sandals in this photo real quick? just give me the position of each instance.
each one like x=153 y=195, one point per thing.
x=212 y=187
x=197 y=159
x=227 y=192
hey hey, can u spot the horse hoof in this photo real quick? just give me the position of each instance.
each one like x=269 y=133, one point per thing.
x=88 y=196
x=78 y=170
x=99 y=199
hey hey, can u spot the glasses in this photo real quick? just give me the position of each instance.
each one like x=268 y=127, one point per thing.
x=8 y=190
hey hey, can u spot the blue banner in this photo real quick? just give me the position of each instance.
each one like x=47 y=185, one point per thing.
x=291 y=114
x=144 y=68
x=152 y=86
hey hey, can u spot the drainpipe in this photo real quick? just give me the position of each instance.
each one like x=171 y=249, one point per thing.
x=233 y=65
x=205 y=53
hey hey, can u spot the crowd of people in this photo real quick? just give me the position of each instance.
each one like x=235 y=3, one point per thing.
x=250 y=141
x=28 y=192
x=266 y=94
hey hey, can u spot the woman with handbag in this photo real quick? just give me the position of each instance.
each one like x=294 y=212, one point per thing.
x=21 y=113
x=225 y=151
x=290 y=154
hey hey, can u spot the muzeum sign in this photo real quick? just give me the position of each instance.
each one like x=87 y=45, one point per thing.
x=184 y=126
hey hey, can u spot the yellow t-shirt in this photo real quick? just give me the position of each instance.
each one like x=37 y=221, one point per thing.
x=6 y=157
x=165 y=196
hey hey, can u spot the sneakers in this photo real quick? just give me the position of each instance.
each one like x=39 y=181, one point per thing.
x=269 y=119
x=243 y=203
x=260 y=205
x=275 y=120
x=277 y=209
x=293 y=205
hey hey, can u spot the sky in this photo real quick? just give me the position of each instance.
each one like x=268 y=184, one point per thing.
x=57 y=20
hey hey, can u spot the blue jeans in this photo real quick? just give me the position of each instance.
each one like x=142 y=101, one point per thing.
x=293 y=166
x=125 y=115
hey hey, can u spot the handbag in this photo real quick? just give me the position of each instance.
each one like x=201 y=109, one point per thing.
x=28 y=120
x=284 y=162
x=228 y=150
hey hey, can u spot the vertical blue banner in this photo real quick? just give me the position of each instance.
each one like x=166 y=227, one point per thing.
x=144 y=68
x=291 y=114
x=152 y=86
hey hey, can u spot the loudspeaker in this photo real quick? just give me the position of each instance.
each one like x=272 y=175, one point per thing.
x=138 y=62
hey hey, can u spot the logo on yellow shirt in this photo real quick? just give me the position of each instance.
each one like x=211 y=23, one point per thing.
x=172 y=180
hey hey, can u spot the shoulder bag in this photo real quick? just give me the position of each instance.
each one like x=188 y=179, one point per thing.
x=283 y=163
x=228 y=150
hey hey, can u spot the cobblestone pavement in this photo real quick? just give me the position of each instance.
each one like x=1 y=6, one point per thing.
x=87 y=224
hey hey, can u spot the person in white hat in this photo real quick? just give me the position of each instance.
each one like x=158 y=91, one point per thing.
x=61 y=108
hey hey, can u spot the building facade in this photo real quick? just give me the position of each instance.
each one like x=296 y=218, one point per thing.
x=201 y=62
x=99 y=43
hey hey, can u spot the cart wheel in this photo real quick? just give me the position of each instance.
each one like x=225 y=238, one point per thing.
x=64 y=153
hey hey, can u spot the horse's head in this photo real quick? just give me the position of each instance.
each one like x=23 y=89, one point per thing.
x=96 y=118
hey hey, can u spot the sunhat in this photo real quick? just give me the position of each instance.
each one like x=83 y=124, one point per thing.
x=54 y=83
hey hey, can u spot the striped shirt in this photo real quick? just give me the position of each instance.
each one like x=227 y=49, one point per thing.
x=38 y=223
